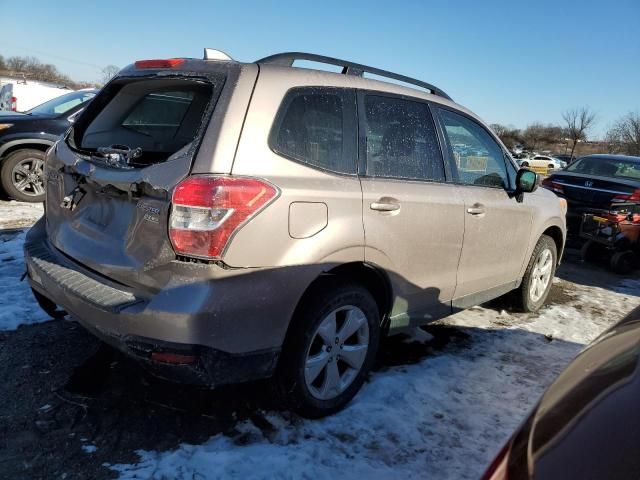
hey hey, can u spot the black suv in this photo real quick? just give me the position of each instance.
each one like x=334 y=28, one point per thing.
x=25 y=137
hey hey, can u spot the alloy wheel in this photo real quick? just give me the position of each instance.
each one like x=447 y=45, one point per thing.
x=541 y=275
x=337 y=352
x=27 y=176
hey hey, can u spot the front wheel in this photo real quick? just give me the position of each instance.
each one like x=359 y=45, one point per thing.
x=330 y=350
x=22 y=175
x=538 y=277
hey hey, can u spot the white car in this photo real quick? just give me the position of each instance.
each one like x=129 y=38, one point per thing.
x=22 y=95
x=543 y=161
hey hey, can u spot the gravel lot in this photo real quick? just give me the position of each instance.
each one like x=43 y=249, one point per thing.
x=438 y=408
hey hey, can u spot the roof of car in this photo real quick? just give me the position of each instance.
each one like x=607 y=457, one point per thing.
x=612 y=156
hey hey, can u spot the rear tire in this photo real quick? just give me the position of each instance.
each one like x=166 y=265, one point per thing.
x=22 y=175
x=329 y=350
x=538 y=276
x=524 y=164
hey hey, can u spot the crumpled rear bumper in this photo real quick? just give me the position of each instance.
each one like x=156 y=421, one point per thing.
x=171 y=322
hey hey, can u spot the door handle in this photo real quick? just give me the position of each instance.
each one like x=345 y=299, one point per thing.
x=384 y=207
x=476 y=209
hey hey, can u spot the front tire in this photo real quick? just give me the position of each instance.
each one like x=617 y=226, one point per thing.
x=330 y=350
x=538 y=277
x=22 y=175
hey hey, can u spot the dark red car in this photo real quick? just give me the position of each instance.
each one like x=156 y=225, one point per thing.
x=587 y=424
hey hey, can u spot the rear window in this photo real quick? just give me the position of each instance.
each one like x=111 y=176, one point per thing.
x=606 y=167
x=157 y=116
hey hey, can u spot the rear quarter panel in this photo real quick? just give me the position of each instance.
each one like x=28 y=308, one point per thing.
x=268 y=240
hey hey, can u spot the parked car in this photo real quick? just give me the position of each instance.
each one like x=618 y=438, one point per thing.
x=21 y=95
x=585 y=425
x=210 y=222
x=593 y=183
x=25 y=137
x=567 y=159
x=543 y=161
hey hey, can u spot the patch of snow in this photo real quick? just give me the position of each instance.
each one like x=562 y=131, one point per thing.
x=19 y=214
x=17 y=305
x=444 y=417
x=89 y=448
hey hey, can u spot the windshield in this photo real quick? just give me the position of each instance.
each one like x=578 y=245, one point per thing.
x=606 y=167
x=63 y=104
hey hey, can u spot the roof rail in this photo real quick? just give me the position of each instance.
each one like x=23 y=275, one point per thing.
x=348 y=68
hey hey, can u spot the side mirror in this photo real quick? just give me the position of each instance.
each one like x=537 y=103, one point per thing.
x=526 y=181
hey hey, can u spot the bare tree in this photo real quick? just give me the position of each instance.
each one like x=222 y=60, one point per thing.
x=109 y=72
x=624 y=136
x=533 y=135
x=578 y=122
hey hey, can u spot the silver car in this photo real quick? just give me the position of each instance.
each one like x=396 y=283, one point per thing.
x=223 y=221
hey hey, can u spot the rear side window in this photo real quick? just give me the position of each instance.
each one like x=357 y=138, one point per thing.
x=315 y=126
x=160 y=116
x=401 y=140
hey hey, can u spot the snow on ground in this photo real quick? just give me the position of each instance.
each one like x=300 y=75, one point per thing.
x=19 y=214
x=444 y=417
x=17 y=305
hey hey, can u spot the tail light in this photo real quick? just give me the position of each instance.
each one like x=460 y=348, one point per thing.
x=632 y=197
x=549 y=184
x=14 y=104
x=167 y=63
x=208 y=210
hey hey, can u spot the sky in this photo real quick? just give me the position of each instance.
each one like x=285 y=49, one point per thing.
x=511 y=62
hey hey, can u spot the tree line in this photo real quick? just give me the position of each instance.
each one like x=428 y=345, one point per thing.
x=622 y=137
x=33 y=69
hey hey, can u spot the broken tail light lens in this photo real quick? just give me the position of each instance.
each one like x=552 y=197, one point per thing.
x=208 y=210
x=549 y=184
x=166 y=63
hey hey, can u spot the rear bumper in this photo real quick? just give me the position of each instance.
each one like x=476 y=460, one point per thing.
x=210 y=321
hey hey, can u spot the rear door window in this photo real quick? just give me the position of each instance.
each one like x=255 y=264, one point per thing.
x=401 y=139
x=316 y=126
x=478 y=158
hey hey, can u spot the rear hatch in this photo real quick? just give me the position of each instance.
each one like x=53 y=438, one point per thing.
x=109 y=181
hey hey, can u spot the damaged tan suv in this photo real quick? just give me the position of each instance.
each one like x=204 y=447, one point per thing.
x=223 y=221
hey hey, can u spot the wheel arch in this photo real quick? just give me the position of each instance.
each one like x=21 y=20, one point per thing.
x=556 y=234
x=370 y=276
x=15 y=145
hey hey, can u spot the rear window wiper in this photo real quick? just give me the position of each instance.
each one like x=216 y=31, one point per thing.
x=120 y=156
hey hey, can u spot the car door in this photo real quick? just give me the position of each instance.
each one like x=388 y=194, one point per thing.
x=496 y=225
x=413 y=218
